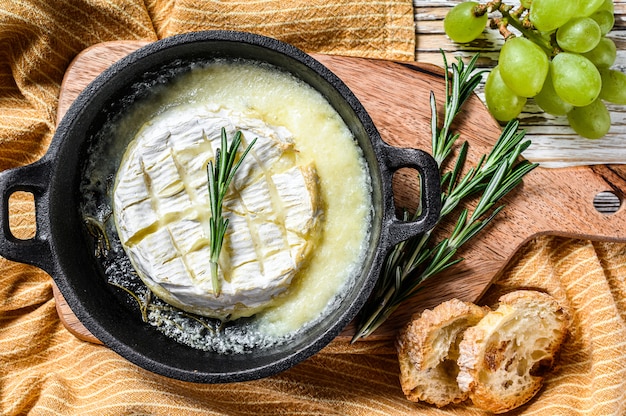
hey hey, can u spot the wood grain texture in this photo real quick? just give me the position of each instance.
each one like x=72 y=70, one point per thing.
x=551 y=201
x=554 y=143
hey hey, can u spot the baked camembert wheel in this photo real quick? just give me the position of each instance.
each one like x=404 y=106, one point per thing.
x=161 y=209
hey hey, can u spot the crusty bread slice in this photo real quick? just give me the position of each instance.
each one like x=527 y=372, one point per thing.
x=428 y=350
x=504 y=358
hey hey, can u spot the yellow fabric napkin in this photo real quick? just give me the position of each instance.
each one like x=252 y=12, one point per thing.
x=46 y=370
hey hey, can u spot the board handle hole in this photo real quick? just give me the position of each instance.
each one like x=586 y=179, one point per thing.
x=607 y=202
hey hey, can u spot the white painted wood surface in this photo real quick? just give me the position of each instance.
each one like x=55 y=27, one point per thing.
x=554 y=143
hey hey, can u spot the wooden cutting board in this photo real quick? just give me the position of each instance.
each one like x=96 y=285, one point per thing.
x=396 y=95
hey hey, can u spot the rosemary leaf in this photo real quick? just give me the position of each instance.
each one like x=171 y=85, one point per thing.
x=219 y=176
x=414 y=261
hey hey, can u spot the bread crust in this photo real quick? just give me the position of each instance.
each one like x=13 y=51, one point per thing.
x=504 y=358
x=428 y=349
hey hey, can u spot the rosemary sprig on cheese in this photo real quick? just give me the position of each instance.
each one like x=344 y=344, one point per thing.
x=220 y=175
x=414 y=261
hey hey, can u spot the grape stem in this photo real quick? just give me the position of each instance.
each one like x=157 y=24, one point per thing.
x=503 y=27
x=489 y=7
x=513 y=20
x=517 y=13
x=516 y=18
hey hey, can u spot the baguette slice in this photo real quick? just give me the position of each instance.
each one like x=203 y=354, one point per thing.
x=504 y=358
x=428 y=350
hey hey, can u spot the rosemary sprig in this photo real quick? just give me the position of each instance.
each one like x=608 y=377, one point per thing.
x=220 y=175
x=412 y=262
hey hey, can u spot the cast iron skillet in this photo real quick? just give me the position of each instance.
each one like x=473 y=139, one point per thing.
x=63 y=248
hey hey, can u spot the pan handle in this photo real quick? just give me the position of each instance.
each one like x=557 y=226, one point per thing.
x=37 y=251
x=396 y=158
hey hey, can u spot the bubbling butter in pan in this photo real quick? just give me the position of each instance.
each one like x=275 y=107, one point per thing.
x=300 y=207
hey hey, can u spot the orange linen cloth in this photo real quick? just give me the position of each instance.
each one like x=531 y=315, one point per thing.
x=46 y=370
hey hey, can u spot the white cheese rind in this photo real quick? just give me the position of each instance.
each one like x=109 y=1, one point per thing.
x=161 y=208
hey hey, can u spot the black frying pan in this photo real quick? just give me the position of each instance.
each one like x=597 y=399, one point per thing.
x=63 y=247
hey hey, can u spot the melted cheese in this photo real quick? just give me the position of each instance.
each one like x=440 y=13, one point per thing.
x=161 y=206
x=313 y=137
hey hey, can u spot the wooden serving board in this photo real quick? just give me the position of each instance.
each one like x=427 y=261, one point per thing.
x=396 y=95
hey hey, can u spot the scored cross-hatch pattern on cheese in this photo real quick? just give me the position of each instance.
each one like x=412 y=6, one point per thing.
x=161 y=205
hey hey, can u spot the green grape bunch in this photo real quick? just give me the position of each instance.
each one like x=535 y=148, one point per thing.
x=558 y=54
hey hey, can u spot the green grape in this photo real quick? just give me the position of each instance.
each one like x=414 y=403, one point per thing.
x=603 y=55
x=592 y=121
x=579 y=34
x=613 y=86
x=502 y=103
x=549 y=100
x=608 y=6
x=605 y=20
x=461 y=23
x=586 y=7
x=523 y=66
x=547 y=15
x=526 y=3
x=575 y=79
